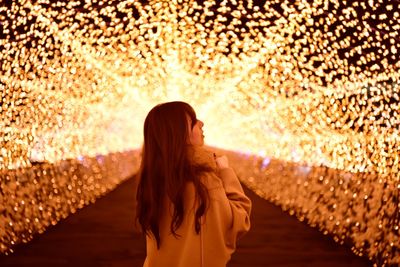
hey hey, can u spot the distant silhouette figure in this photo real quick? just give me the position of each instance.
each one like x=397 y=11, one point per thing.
x=190 y=203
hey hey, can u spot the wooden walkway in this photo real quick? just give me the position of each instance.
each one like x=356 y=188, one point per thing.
x=102 y=235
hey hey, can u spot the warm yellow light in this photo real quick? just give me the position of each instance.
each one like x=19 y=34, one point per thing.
x=314 y=83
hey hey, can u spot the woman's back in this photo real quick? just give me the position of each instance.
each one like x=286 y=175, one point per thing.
x=190 y=204
x=227 y=217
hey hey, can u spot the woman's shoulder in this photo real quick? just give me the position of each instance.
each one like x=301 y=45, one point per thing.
x=211 y=180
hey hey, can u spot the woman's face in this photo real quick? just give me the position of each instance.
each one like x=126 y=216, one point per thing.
x=196 y=136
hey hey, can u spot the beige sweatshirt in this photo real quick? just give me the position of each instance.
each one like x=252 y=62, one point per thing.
x=226 y=220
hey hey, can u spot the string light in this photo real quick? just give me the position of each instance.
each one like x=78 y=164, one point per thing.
x=311 y=83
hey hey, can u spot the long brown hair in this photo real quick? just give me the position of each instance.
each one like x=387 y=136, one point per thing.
x=166 y=168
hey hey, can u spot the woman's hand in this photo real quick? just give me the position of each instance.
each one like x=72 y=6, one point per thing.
x=222 y=162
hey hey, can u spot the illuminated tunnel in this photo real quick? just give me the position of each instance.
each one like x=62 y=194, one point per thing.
x=303 y=96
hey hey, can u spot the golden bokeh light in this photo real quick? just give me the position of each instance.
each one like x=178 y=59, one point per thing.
x=311 y=84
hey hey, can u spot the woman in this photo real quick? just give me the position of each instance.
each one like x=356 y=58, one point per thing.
x=190 y=203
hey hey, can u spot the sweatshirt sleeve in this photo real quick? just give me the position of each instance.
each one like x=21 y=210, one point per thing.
x=240 y=206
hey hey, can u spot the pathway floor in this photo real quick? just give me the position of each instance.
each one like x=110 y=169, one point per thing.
x=102 y=235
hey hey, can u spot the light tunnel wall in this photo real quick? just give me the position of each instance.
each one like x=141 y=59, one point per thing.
x=360 y=210
x=309 y=88
x=37 y=197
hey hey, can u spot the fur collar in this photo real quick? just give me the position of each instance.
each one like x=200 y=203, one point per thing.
x=201 y=155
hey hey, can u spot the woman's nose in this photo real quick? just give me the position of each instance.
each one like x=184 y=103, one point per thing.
x=201 y=123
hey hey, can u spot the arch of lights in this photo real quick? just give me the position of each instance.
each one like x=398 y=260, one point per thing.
x=311 y=88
